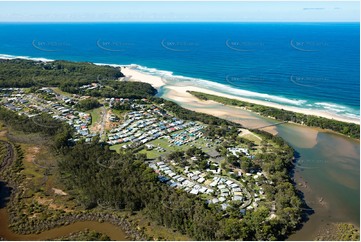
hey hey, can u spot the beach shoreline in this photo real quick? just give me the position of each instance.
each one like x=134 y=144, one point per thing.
x=181 y=94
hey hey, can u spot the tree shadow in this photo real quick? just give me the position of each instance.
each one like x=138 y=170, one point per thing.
x=307 y=211
x=5 y=192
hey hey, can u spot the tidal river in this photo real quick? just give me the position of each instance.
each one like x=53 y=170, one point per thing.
x=114 y=232
x=327 y=170
x=329 y=173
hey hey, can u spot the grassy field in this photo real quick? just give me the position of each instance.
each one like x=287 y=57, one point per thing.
x=119 y=113
x=41 y=179
x=151 y=154
x=118 y=146
x=169 y=148
x=95 y=113
x=57 y=90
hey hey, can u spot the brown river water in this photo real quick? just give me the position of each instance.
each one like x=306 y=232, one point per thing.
x=114 y=232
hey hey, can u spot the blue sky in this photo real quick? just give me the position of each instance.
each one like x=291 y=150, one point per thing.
x=256 y=11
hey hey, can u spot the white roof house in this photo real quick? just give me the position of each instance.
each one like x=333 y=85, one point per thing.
x=213 y=184
x=237 y=198
x=194 y=191
x=203 y=190
x=221 y=187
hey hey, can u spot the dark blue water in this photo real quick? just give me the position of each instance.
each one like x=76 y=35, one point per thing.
x=309 y=65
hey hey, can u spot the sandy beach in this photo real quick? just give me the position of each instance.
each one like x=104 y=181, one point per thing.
x=179 y=94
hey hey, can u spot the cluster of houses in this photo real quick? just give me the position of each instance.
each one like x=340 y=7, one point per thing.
x=228 y=190
x=143 y=126
x=189 y=182
x=148 y=122
x=112 y=101
x=13 y=98
x=237 y=151
x=7 y=92
x=81 y=122
x=219 y=190
x=31 y=105
x=190 y=134
x=91 y=86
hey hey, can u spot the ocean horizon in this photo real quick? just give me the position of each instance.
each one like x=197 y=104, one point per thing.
x=307 y=65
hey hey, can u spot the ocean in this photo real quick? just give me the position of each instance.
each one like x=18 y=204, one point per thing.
x=308 y=65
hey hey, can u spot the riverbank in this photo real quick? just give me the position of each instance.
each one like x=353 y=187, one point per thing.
x=111 y=230
x=178 y=93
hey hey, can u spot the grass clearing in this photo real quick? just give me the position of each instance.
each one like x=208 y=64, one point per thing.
x=151 y=154
x=57 y=90
x=119 y=113
x=95 y=113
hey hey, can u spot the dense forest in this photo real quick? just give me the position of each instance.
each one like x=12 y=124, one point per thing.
x=28 y=73
x=349 y=129
x=88 y=104
x=69 y=77
x=111 y=88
